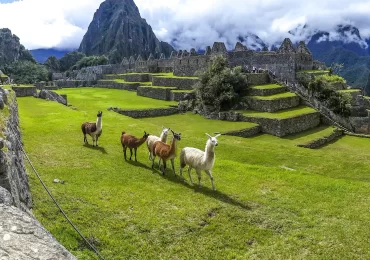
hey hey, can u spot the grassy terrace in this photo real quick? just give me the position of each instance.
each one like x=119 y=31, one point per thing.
x=349 y=90
x=128 y=82
x=311 y=135
x=161 y=87
x=182 y=91
x=314 y=71
x=268 y=86
x=282 y=114
x=273 y=200
x=112 y=98
x=276 y=96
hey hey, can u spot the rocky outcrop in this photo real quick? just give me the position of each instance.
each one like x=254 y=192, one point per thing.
x=23 y=237
x=52 y=96
x=117 y=30
x=13 y=175
x=11 y=50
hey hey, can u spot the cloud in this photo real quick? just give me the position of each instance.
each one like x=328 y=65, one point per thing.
x=187 y=23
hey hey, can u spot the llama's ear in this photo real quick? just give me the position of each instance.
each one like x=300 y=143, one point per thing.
x=172 y=132
x=217 y=135
x=209 y=136
x=163 y=127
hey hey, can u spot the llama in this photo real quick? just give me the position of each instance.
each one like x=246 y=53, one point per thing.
x=152 y=139
x=131 y=142
x=199 y=160
x=166 y=152
x=93 y=129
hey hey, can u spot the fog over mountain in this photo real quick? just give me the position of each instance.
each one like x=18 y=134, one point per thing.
x=189 y=23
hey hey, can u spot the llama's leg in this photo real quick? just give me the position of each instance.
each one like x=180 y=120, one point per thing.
x=130 y=153
x=189 y=172
x=135 y=149
x=173 y=166
x=153 y=158
x=93 y=137
x=124 y=151
x=85 y=139
x=210 y=176
x=159 y=162
x=199 y=177
x=164 y=167
x=97 y=138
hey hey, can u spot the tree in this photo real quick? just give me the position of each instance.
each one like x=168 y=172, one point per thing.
x=220 y=87
x=27 y=72
x=70 y=59
x=91 y=61
x=52 y=64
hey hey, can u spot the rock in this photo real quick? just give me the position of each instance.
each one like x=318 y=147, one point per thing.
x=2 y=103
x=56 y=181
x=5 y=197
x=23 y=237
x=1 y=143
x=50 y=95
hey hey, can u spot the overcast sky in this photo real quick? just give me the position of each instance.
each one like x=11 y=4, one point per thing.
x=194 y=23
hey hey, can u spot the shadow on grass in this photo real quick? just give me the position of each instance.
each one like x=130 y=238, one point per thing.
x=138 y=164
x=331 y=142
x=204 y=190
x=97 y=148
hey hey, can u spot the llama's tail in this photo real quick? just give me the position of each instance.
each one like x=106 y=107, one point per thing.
x=83 y=128
x=182 y=158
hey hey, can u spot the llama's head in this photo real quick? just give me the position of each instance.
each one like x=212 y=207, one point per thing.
x=100 y=114
x=165 y=131
x=213 y=140
x=145 y=136
x=176 y=136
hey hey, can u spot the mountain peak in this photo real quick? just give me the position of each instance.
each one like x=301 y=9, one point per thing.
x=117 y=30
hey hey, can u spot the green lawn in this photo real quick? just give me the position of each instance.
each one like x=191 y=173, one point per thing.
x=349 y=90
x=261 y=210
x=281 y=114
x=182 y=91
x=311 y=135
x=104 y=99
x=276 y=96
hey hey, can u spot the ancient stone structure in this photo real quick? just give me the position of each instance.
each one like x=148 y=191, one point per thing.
x=52 y=96
x=283 y=63
x=21 y=235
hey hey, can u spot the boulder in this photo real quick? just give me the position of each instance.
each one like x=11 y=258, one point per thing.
x=23 y=237
x=50 y=95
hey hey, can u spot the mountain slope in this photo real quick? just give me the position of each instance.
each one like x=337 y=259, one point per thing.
x=41 y=55
x=117 y=30
x=11 y=50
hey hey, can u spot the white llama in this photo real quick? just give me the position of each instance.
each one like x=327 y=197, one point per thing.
x=152 y=139
x=199 y=160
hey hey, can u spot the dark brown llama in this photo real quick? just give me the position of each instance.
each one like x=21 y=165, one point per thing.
x=131 y=142
x=93 y=129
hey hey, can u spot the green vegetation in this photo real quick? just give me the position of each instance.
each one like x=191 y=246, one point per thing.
x=159 y=87
x=331 y=78
x=27 y=72
x=267 y=86
x=70 y=59
x=281 y=114
x=276 y=96
x=90 y=61
x=220 y=87
x=321 y=86
x=182 y=91
x=129 y=82
x=349 y=90
x=261 y=210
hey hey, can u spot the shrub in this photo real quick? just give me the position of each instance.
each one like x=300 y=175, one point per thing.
x=220 y=87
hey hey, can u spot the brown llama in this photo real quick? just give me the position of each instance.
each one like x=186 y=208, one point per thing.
x=131 y=142
x=166 y=152
x=93 y=129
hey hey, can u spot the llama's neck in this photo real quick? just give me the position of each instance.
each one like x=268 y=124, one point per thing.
x=140 y=141
x=99 y=123
x=209 y=152
x=163 y=137
x=173 y=146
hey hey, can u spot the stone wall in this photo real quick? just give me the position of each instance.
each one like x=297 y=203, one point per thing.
x=156 y=93
x=137 y=77
x=271 y=105
x=21 y=235
x=13 y=175
x=117 y=85
x=257 y=78
x=245 y=132
x=147 y=112
x=24 y=91
x=177 y=96
x=320 y=142
x=179 y=83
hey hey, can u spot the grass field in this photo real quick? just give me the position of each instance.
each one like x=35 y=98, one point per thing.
x=273 y=200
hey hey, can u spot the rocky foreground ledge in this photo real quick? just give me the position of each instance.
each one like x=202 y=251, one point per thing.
x=23 y=237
